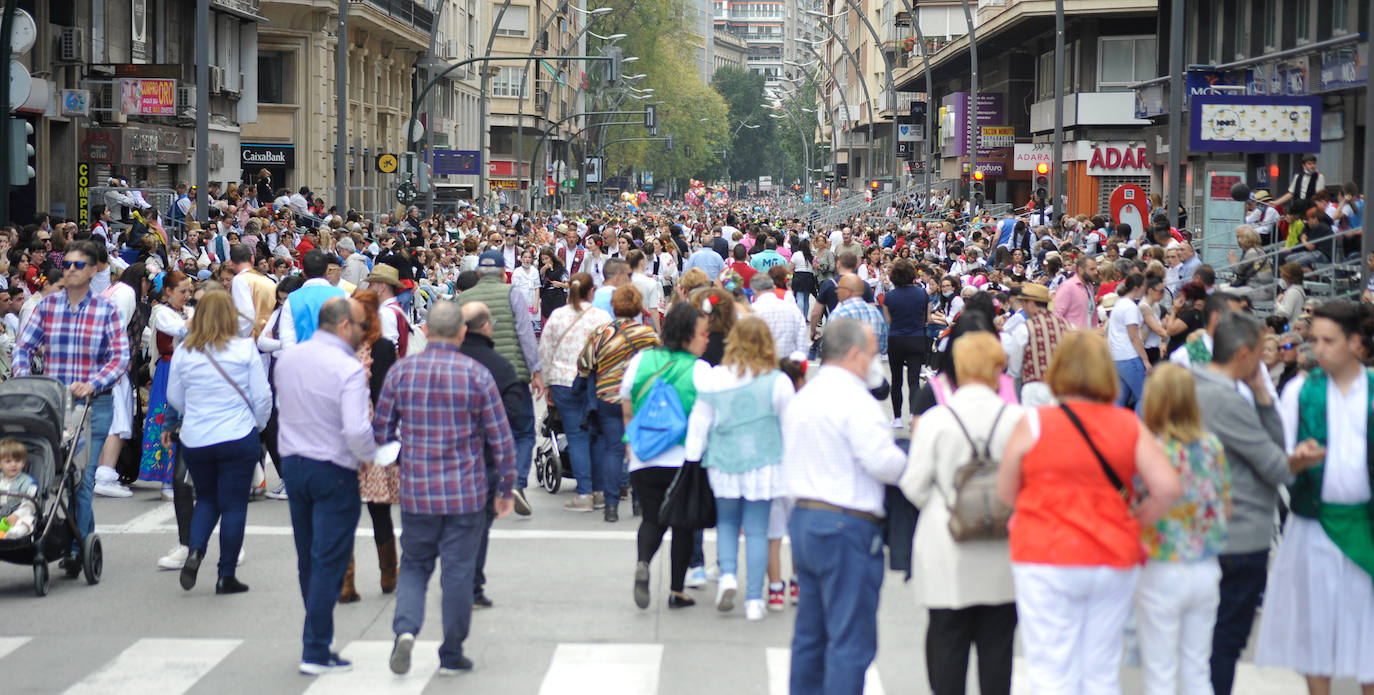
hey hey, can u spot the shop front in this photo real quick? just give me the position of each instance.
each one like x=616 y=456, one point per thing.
x=278 y=159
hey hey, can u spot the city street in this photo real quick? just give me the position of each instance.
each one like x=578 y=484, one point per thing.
x=564 y=622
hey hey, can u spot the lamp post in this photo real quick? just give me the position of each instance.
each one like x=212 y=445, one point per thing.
x=1176 y=112
x=849 y=142
x=858 y=72
x=1058 y=156
x=834 y=129
x=806 y=150
x=974 y=131
x=548 y=95
x=891 y=88
x=928 y=154
x=482 y=149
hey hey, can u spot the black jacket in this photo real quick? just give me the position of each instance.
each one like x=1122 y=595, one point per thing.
x=515 y=395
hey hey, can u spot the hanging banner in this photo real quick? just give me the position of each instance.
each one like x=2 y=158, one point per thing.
x=148 y=97
x=1238 y=123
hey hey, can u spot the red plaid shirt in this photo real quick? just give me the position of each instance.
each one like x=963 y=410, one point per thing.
x=84 y=343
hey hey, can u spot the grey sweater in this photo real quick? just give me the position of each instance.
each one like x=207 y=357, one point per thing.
x=1252 y=437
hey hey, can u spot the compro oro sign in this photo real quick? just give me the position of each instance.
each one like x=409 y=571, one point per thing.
x=148 y=97
x=1117 y=159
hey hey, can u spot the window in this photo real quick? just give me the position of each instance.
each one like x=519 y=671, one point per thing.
x=515 y=22
x=1241 y=26
x=1303 y=21
x=1044 y=72
x=1340 y=18
x=276 y=72
x=1271 y=24
x=508 y=83
x=1125 y=60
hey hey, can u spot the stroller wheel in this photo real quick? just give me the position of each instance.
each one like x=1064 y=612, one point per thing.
x=41 y=580
x=92 y=558
x=551 y=472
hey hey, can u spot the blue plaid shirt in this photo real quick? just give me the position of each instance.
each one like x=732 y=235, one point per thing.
x=856 y=308
x=447 y=411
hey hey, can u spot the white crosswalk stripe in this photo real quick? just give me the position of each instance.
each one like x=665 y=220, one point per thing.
x=9 y=644
x=780 y=668
x=161 y=666
x=603 y=669
x=372 y=671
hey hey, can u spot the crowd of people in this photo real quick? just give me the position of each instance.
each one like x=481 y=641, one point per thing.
x=834 y=384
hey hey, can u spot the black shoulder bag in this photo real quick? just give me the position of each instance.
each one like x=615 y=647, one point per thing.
x=1111 y=474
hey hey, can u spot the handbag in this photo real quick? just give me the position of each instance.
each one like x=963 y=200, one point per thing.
x=976 y=513
x=689 y=502
x=1111 y=474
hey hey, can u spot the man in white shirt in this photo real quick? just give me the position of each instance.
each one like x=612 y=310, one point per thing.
x=650 y=290
x=1261 y=215
x=839 y=455
x=1305 y=183
x=299 y=202
x=784 y=317
x=510 y=252
x=385 y=281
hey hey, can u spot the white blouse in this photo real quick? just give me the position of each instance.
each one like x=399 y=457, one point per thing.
x=763 y=483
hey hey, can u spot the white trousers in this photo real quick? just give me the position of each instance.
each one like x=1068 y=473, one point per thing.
x=1175 y=611
x=1072 y=621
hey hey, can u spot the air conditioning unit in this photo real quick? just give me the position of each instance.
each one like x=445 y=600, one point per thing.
x=71 y=45
x=186 y=96
x=107 y=107
x=216 y=79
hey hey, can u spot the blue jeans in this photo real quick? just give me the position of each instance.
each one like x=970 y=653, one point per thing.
x=452 y=539
x=733 y=513
x=839 y=562
x=405 y=299
x=1243 y=576
x=222 y=474
x=1131 y=374
x=573 y=410
x=324 y=513
x=102 y=412
x=612 y=473
x=523 y=431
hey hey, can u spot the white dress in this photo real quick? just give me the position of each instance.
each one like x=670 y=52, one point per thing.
x=1318 y=616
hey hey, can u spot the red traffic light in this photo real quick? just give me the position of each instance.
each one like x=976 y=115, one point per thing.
x=874 y=184
x=978 y=175
x=1273 y=171
x=826 y=191
x=1042 y=168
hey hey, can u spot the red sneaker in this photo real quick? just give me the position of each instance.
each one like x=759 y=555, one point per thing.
x=775 y=598
x=794 y=591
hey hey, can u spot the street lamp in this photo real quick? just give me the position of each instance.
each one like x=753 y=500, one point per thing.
x=871 y=162
x=611 y=39
x=834 y=127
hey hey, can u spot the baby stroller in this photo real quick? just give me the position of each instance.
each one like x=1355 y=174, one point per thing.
x=551 y=461
x=40 y=412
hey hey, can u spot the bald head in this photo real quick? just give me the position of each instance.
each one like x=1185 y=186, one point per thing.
x=851 y=285
x=444 y=323
x=477 y=318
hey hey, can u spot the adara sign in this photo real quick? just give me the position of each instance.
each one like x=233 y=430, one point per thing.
x=1118 y=159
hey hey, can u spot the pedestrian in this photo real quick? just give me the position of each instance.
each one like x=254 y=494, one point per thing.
x=966 y=586
x=169 y=322
x=218 y=431
x=84 y=345
x=1177 y=595
x=605 y=354
x=678 y=364
x=1251 y=434
x=478 y=345
x=1126 y=340
x=840 y=452
x=515 y=341
x=378 y=486
x=300 y=313
x=908 y=308
x=565 y=335
x=735 y=431
x=445 y=409
x=323 y=432
x=1319 y=605
x=1075 y=540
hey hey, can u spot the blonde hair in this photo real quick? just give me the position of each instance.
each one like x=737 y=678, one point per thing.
x=978 y=357
x=11 y=448
x=749 y=347
x=1248 y=237
x=1083 y=367
x=215 y=322
x=693 y=280
x=1170 y=404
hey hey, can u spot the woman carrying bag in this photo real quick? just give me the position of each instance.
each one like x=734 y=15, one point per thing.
x=735 y=432
x=217 y=380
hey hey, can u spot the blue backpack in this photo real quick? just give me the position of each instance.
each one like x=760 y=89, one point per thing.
x=660 y=423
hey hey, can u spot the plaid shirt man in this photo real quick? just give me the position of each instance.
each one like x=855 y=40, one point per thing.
x=86 y=342
x=856 y=308
x=447 y=411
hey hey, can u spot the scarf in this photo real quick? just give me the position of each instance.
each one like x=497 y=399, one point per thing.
x=1349 y=526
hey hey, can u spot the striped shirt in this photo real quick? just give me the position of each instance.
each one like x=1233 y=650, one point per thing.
x=609 y=350
x=85 y=343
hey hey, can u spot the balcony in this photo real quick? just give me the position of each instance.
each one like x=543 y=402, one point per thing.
x=406 y=12
x=243 y=9
x=1088 y=109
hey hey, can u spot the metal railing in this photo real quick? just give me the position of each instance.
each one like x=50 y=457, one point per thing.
x=407 y=12
x=1338 y=275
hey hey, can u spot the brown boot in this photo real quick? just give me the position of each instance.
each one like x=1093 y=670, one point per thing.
x=386 y=560
x=349 y=593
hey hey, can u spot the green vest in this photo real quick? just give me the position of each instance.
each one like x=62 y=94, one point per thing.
x=1349 y=526
x=496 y=295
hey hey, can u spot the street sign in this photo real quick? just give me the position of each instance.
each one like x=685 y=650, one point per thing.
x=1129 y=206
x=405 y=193
x=910 y=132
x=387 y=163
x=995 y=136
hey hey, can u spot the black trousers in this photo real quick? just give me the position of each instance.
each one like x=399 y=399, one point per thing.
x=907 y=354
x=950 y=634
x=651 y=485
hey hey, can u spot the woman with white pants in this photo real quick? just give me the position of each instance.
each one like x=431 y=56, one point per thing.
x=1075 y=541
x=1179 y=589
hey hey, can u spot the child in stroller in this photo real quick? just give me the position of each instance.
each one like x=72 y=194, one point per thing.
x=17 y=490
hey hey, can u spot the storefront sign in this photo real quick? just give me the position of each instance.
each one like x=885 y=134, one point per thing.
x=83 y=195
x=499 y=184
x=1129 y=206
x=267 y=155
x=144 y=97
x=1118 y=159
x=457 y=162
x=76 y=102
x=1236 y=123
x=99 y=147
x=997 y=136
x=1346 y=67
x=993 y=167
x=954 y=126
x=910 y=132
x=502 y=167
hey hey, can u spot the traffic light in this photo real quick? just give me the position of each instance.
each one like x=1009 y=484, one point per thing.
x=979 y=194
x=669 y=144
x=650 y=117
x=873 y=185
x=551 y=191
x=613 y=68
x=1042 y=182
x=687 y=151
x=21 y=150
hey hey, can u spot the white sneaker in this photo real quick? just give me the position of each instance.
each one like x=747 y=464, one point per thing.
x=167 y=494
x=174 y=559
x=240 y=562
x=278 y=492
x=898 y=423
x=713 y=573
x=754 y=610
x=725 y=593
x=112 y=488
x=696 y=577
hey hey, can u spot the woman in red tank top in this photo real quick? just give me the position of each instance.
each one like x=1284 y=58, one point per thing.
x=1068 y=472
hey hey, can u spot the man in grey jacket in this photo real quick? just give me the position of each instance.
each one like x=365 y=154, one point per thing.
x=1252 y=436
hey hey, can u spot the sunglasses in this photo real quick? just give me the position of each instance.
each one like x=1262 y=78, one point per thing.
x=1287 y=346
x=74 y=265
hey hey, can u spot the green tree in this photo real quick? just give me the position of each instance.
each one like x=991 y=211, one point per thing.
x=750 y=151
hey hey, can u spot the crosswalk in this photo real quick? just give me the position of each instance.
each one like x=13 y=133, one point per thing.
x=167 y=666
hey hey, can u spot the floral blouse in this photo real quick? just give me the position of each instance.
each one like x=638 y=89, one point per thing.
x=1195 y=529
